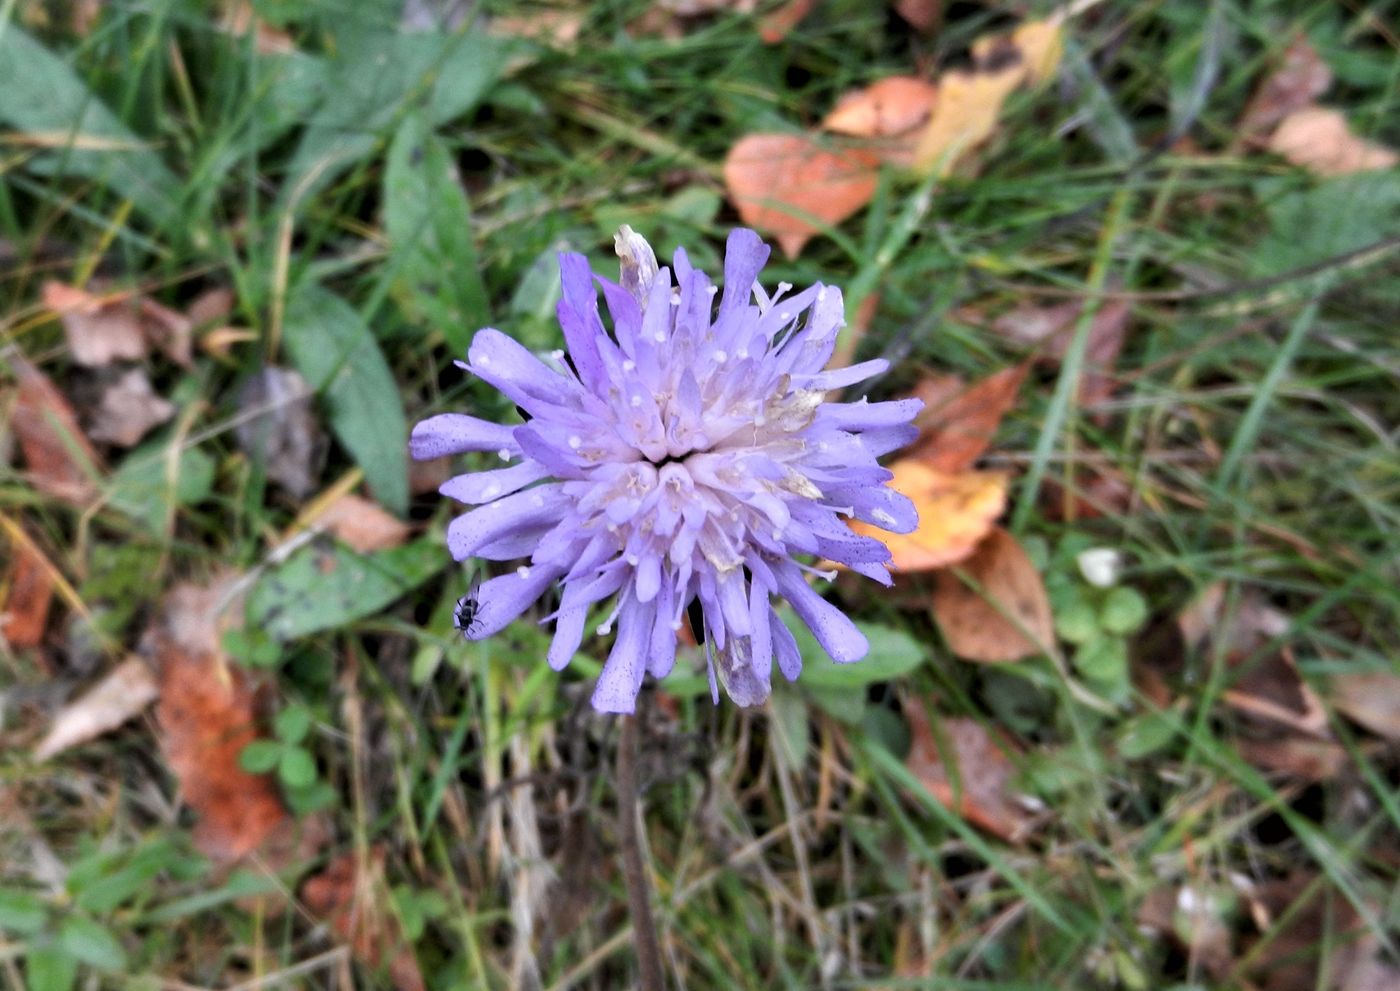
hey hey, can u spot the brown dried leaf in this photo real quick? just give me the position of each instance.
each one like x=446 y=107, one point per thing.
x=1195 y=919
x=169 y=331
x=956 y=511
x=923 y=16
x=62 y=463
x=100 y=329
x=352 y=899
x=988 y=625
x=363 y=525
x=1370 y=699
x=777 y=180
x=981 y=767
x=29 y=593
x=1321 y=943
x=128 y=408
x=1321 y=139
x=1301 y=757
x=1299 y=80
x=207 y=715
x=955 y=432
x=120 y=695
x=239 y=19
x=278 y=425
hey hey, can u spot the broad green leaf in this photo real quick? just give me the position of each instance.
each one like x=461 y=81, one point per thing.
x=1124 y=611
x=146 y=488
x=47 y=968
x=320 y=589
x=788 y=710
x=260 y=756
x=339 y=358
x=892 y=653
x=89 y=942
x=21 y=912
x=44 y=99
x=373 y=75
x=1326 y=220
x=437 y=279
x=297 y=768
x=113 y=881
x=293 y=723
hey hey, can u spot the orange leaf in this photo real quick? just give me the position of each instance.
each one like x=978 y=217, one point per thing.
x=363 y=525
x=775 y=26
x=955 y=432
x=991 y=625
x=884 y=109
x=777 y=181
x=61 y=461
x=1320 y=139
x=955 y=513
x=922 y=15
x=981 y=768
x=29 y=587
x=207 y=715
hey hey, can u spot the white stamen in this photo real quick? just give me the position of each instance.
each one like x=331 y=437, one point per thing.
x=821 y=294
x=785 y=315
x=537 y=501
x=557 y=354
x=777 y=535
x=628 y=365
x=575 y=441
x=504 y=454
x=636 y=401
x=712 y=289
x=633 y=560
x=523 y=571
x=491 y=491
x=484 y=360
x=743 y=353
x=676 y=625
x=884 y=519
x=721 y=357
x=604 y=629
x=676 y=299
x=659 y=337
x=784 y=287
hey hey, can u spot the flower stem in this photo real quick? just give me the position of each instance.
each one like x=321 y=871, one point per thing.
x=633 y=870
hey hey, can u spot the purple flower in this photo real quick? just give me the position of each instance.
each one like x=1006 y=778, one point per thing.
x=687 y=457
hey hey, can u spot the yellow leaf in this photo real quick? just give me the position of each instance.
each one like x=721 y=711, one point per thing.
x=955 y=512
x=965 y=115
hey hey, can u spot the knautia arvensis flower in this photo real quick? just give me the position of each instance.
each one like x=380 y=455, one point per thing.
x=687 y=456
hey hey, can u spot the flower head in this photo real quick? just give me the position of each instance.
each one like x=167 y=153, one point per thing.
x=687 y=457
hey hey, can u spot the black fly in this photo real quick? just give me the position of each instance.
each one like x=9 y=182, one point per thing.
x=464 y=616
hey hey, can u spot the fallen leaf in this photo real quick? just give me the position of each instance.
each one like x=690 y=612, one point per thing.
x=211 y=306
x=923 y=16
x=956 y=431
x=1270 y=688
x=352 y=898
x=207 y=715
x=1321 y=139
x=128 y=408
x=983 y=772
x=988 y=625
x=120 y=326
x=1196 y=919
x=1301 y=757
x=885 y=109
x=776 y=25
x=239 y=19
x=970 y=101
x=1320 y=942
x=1051 y=330
x=119 y=696
x=62 y=462
x=278 y=427
x=363 y=525
x=1299 y=80
x=777 y=181
x=1369 y=699
x=956 y=511
x=100 y=329
x=29 y=592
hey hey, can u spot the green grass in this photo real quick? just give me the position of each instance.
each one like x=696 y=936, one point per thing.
x=1255 y=429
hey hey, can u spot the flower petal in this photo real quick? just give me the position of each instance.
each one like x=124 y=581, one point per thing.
x=500 y=600
x=483 y=486
x=457 y=433
x=836 y=633
x=621 y=679
x=472 y=531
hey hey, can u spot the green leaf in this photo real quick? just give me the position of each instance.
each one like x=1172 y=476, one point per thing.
x=339 y=357
x=1145 y=735
x=21 y=912
x=323 y=588
x=1104 y=662
x=1076 y=622
x=40 y=94
x=117 y=881
x=260 y=756
x=90 y=943
x=788 y=710
x=293 y=723
x=143 y=488
x=47 y=968
x=298 y=767
x=1124 y=611
x=373 y=76
x=841 y=704
x=892 y=653
x=437 y=279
